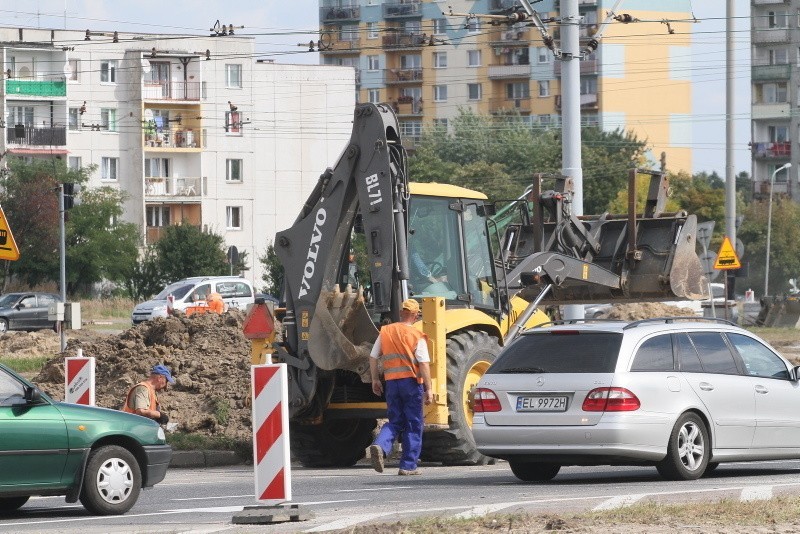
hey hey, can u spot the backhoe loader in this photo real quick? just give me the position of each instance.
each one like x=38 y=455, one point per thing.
x=433 y=242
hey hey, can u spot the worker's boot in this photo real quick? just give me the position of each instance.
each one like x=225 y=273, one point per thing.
x=376 y=457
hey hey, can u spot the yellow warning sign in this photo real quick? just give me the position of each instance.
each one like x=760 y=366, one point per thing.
x=727 y=258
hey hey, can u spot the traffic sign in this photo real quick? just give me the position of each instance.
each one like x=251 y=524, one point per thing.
x=708 y=259
x=8 y=247
x=727 y=258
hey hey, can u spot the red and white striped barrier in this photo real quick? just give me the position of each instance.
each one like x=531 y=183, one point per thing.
x=79 y=379
x=273 y=475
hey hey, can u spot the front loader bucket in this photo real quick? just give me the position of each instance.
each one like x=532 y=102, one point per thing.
x=342 y=333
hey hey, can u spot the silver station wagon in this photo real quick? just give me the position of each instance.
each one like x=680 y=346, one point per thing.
x=682 y=394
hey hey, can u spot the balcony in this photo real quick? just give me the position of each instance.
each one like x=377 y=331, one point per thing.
x=402 y=76
x=770 y=35
x=762 y=188
x=168 y=139
x=509 y=38
x=587 y=2
x=781 y=110
x=403 y=40
x=588 y=67
x=175 y=91
x=770 y=72
x=407 y=106
x=588 y=101
x=499 y=72
x=772 y=150
x=33 y=137
x=402 y=10
x=345 y=46
x=768 y=2
x=164 y=188
x=154 y=233
x=339 y=14
x=36 y=88
x=520 y=104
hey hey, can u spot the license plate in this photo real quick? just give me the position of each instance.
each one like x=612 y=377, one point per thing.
x=541 y=404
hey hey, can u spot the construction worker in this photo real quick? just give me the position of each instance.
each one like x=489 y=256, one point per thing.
x=141 y=398
x=404 y=352
x=215 y=303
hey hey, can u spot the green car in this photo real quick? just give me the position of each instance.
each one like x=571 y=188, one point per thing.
x=102 y=457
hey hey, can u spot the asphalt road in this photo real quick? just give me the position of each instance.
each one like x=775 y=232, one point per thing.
x=204 y=500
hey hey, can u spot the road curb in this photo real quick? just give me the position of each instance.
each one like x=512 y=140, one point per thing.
x=189 y=459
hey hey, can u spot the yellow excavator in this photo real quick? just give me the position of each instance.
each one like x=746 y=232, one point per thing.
x=434 y=242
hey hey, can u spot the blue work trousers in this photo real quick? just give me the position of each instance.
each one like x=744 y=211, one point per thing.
x=404 y=403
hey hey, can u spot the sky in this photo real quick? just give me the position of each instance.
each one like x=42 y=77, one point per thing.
x=279 y=26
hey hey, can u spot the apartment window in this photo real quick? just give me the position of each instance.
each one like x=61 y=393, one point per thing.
x=544 y=88
x=157 y=215
x=439 y=26
x=20 y=115
x=373 y=63
x=233 y=75
x=372 y=30
x=74 y=163
x=440 y=124
x=774 y=93
x=543 y=55
x=233 y=170
x=440 y=60
x=518 y=90
x=108 y=71
x=74 y=118
x=474 y=58
x=588 y=86
x=109 y=168
x=108 y=119
x=473 y=26
x=348 y=34
x=411 y=61
x=233 y=218
x=439 y=93
x=782 y=176
x=204 y=90
x=156 y=167
x=777 y=19
x=474 y=91
x=374 y=96
x=778 y=134
x=778 y=56
x=411 y=128
x=74 y=70
x=233 y=122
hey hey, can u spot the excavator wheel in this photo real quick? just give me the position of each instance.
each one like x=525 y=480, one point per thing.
x=469 y=354
x=334 y=443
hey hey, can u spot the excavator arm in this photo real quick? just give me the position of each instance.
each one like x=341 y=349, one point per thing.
x=326 y=329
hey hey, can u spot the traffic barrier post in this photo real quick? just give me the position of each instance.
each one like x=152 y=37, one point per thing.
x=273 y=476
x=79 y=379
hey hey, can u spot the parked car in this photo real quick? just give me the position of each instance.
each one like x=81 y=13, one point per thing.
x=26 y=311
x=681 y=395
x=236 y=292
x=102 y=457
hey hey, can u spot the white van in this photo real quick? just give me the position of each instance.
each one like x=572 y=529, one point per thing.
x=237 y=292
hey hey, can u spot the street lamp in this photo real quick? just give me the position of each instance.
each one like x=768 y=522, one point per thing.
x=769 y=224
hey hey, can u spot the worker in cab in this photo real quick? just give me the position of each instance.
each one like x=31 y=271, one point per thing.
x=142 y=399
x=215 y=303
x=403 y=351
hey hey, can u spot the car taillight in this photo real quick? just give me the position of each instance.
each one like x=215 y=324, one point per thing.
x=485 y=400
x=611 y=400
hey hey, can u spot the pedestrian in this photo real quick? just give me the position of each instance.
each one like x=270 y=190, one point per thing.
x=403 y=351
x=215 y=303
x=141 y=398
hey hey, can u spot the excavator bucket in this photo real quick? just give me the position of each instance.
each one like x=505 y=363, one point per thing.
x=342 y=332
x=608 y=258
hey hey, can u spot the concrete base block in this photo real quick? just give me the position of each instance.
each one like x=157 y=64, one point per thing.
x=264 y=515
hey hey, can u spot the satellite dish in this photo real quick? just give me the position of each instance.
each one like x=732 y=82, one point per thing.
x=145 y=66
x=148 y=114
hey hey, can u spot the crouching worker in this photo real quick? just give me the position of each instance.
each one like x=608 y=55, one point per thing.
x=406 y=368
x=142 y=399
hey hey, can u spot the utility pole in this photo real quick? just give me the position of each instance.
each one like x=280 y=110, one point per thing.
x=63 y=261
x=571 y=115
x=730 y=177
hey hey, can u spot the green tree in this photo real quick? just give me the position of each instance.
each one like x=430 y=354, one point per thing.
x=99 y=246
x=272 y=275
x=143 y=280
x=185 y=250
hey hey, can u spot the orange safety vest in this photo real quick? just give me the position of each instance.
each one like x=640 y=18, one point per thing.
x=215 y=303
x=398 y=346
x=153 y=398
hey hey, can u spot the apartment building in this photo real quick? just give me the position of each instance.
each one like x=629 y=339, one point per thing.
x=775 y=96
x=428 y=65
x=194 y=130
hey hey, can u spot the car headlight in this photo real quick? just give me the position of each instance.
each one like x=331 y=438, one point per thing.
x=161 y=435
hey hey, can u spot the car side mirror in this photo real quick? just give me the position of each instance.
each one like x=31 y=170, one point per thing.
x=32 y=395
x=796 y=373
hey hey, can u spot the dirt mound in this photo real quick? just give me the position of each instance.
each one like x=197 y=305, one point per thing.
x=209 y=357
x=645 y=310
x=29 y=344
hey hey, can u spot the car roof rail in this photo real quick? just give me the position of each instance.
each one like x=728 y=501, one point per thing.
x=669 y=320
x=560 y=322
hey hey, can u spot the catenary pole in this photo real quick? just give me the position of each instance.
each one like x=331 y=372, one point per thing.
x=730 y=177
x=63 y=262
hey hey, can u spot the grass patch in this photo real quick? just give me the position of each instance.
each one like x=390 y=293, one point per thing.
x=111 y=308
x=185 y=441
x=25 y=365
